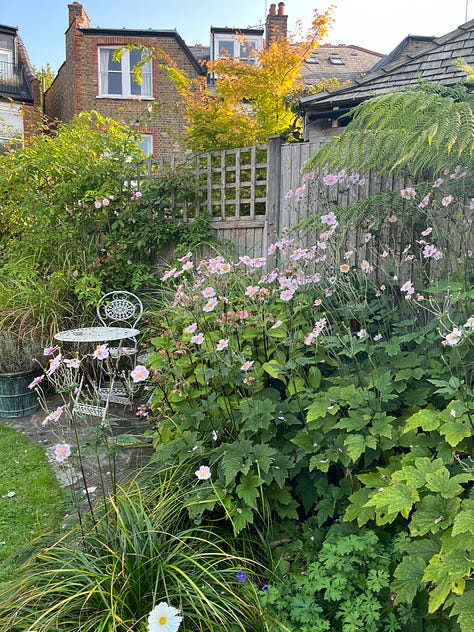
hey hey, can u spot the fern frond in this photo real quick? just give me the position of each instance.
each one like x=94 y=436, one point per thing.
x=412 y=130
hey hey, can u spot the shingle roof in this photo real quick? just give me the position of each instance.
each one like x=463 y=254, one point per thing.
x=433 y=63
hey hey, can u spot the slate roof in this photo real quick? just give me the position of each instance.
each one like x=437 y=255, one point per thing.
x=432 y=62
x=325 y=62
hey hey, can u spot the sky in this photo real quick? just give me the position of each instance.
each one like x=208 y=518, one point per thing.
x=378 y=25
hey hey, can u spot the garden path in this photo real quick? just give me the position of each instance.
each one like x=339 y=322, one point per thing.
x=128 y=460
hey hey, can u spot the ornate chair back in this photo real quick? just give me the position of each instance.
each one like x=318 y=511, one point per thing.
x=121 y=309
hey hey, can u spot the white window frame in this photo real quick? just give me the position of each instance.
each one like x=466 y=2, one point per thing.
x=6 y=64
x=254 y=41
x=147 y=144
x=146 y=87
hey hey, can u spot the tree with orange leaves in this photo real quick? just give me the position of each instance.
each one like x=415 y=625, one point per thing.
x=249 y=103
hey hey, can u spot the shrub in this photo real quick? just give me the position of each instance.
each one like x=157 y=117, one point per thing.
x=308 y=387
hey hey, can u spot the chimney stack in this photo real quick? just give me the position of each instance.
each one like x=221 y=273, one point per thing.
x=276 y=26
x=78 y=13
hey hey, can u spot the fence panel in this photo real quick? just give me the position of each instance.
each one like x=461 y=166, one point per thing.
x=252 y=194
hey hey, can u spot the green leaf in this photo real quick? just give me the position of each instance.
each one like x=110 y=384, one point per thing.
x=444 y=484
x=234 y=459
x=416 y=476
x=433 y=513
x=318 y=462
x=324 y=510
x=128 y=440
x=248 y=489
x=384 y=384
x=446 y=572
x=314 y=377
x=358 y=509
x=296 y=385
x=392 y=500
x=373 y=480
x=425 y=419
x=463 y=608
x=464 y=522
x=408 y=578
x=304 y=439
x=392 y=349
x=264 y=456
x=439 y=594
x=404 y=374
x=273 y=368
x=241 y=518
x=356 y=444
x=318 y=409
x=454 y=432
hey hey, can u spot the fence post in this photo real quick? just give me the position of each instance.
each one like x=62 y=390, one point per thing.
x=273 y=185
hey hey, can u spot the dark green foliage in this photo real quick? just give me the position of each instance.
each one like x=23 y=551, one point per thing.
x=413 y=131
x=72 y=224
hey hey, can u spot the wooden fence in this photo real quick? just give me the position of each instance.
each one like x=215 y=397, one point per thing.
x=253 y=194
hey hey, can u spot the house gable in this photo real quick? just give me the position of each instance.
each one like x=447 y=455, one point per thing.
x=79 y=85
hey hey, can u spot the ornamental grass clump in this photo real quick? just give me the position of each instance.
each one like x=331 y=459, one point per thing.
x=18 y=354
x=333 y=380
x=143 y=567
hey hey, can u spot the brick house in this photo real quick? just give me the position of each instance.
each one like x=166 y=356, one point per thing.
x=19 y=89
x=90 y=79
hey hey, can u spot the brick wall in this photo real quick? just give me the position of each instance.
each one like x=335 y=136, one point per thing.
x=31 y=119
x=76 y=87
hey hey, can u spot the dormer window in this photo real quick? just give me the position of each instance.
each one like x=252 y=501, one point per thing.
x=241 y=47
x=7 y=47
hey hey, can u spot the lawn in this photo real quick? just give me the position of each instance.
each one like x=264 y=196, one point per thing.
x=31 y=499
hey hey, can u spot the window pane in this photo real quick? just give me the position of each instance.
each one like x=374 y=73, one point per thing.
x=111 y=64
x=6 y=41
x=246 y=50
x=146 y=144
x=225 y=48
x=114 y=83
x=135 y=57
x=135 y=88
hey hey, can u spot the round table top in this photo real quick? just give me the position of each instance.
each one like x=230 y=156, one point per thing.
x=96 y=334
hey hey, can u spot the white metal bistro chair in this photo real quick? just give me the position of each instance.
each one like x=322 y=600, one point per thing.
x=120 y=308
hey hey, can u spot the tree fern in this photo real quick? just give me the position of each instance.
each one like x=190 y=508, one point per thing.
x=404 y=131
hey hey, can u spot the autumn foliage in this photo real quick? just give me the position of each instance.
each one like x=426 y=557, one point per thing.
x=248 y=103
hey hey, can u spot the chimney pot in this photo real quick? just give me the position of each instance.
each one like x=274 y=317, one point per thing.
x=276 y=24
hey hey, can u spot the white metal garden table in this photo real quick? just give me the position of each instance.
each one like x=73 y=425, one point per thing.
x=96 y=334
x=88 y=335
